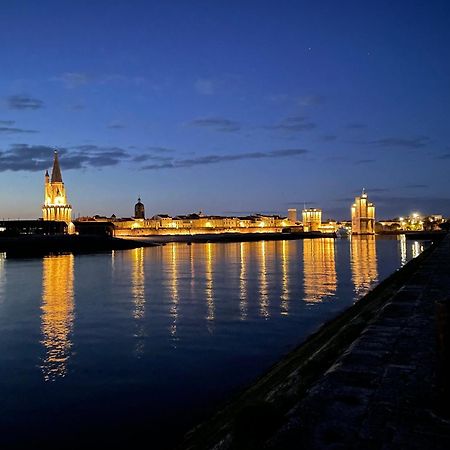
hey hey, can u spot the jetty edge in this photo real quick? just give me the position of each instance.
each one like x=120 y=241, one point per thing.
x=293 y=403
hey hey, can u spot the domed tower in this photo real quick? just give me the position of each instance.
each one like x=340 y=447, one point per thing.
x=55 y=205
x=363 y=215
x=139 y=210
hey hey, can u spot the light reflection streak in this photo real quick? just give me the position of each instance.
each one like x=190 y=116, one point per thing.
x=209 y=287
x=57 y=314
x=243 y=281
x=284 y=279
x=2 y=275
x=363 y=263
x=263 y=290
x=417 y=249
x=137 y=283
x=403 y=250
x=192 y=269
x=319 y=268
x=138 y=293
x=174 y=292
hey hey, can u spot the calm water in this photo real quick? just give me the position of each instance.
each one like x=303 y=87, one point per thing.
x=145 y=342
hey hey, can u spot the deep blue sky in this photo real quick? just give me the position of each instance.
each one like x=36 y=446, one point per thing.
x=226 y=106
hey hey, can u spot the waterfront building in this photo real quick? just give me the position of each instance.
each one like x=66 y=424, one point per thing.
x=56 y=206
x=363 y=215
x=292 y=215
x=139 y=210
x=312 y=219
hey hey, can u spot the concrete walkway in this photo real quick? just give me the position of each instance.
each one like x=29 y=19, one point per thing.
x=382 y=393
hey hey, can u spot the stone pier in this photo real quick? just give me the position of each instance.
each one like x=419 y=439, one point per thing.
x=377 y=377
x=385 y=391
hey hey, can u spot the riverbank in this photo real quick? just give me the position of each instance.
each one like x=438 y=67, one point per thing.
x=36 y=245
x=367 y=379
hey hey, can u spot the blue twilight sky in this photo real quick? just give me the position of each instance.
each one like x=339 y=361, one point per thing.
x=229 y=107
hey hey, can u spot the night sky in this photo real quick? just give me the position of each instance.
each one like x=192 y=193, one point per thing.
x=228 y=107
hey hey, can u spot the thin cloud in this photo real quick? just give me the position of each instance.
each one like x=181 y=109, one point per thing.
x=408 y=143
x=72 y=80
x=143 y=158
x=292 y=125
x=217 y=124
x=329 y=137
x=311 y=100
x=365 y=161
x=417 y=186
x=216 y=159
x=39 y=157
x=443 y=156
x=205 y=86
x=116 y=126
x=23 y=102
x=12 y=130
x=356 y=126
x=7 y=123
x=160 y=149
x=77 y=107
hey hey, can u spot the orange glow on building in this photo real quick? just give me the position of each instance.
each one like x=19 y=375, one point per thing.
x=312 y=219
x=363 y=215
x=55 y=205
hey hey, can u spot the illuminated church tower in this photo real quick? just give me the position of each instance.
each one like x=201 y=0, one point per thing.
x=363 y=215
x=56 y=206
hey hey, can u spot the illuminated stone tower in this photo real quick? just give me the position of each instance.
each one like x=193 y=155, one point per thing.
x=312 y=219
x=363 y=215
x=139 y=210
x=56 y=206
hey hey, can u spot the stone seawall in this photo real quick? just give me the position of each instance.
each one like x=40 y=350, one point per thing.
x=366 y=380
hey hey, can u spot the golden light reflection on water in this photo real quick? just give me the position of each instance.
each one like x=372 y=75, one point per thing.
x=138 y=294
x=417 y=249
x=209 y=283
x=363 y=263
x=319 y=269
x=243 y=299
x=284 y=278
x=263 y=285
x=57 y=314
x=2 y=274
x=403 y=250
x=138 y=282
x=174 y=290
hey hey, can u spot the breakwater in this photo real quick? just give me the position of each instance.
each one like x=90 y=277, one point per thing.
x=367 y=379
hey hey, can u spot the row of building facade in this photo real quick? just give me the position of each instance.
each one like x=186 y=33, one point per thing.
x=57 y=208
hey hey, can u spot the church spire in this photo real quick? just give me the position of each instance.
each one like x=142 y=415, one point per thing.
x=56 y=171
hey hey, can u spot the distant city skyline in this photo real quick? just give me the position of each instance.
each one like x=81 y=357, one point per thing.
x=228 y=108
